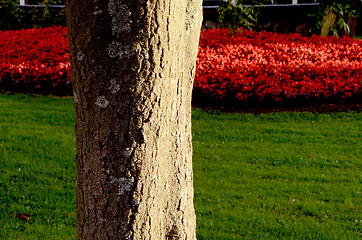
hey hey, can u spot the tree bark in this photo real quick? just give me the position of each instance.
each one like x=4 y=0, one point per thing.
x=328 y=22
x=133 y=65
x=351 y=22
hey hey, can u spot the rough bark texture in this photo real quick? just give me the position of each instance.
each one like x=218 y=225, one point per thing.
x=133 y=64
x=352 y=23
x=328 y=21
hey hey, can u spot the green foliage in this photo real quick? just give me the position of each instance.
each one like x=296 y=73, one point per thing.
x=12 y=17
x=239 y=15
x=343 y=9
x=45 y=17
x=270 y=176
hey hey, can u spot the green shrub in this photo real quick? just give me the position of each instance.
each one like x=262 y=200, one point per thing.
x=342 y=15
x=13 y=17
x=239 y=15
x=10 y=15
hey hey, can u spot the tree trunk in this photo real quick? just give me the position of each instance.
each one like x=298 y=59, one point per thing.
x=133 y=65
x=352 y=19
x=328 y=22
x=351 y=22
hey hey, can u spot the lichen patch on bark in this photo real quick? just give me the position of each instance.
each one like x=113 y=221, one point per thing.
x=114 y=86
x=102 y=102
x=121 y=17
x=116 y=49
x=80 y=56
x=124 y=184
x=75 y=97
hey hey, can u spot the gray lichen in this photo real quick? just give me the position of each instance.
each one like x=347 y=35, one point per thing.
x=114 y=86
x=123 y=184
x=97 y=12
x=80 y=56
x=115 y=49
x=102 y=102
x=121 y=17
x=75 y=97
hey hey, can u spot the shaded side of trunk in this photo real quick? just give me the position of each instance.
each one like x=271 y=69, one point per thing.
x=351 y=22
x=133 y=65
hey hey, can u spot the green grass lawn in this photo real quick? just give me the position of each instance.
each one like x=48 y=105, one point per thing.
x=269 y=176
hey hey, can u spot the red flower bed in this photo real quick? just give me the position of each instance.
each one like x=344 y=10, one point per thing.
x=277 y=66
x=249 y=66
x=35 y=60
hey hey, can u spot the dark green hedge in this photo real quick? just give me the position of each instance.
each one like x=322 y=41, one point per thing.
x=13 y=17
